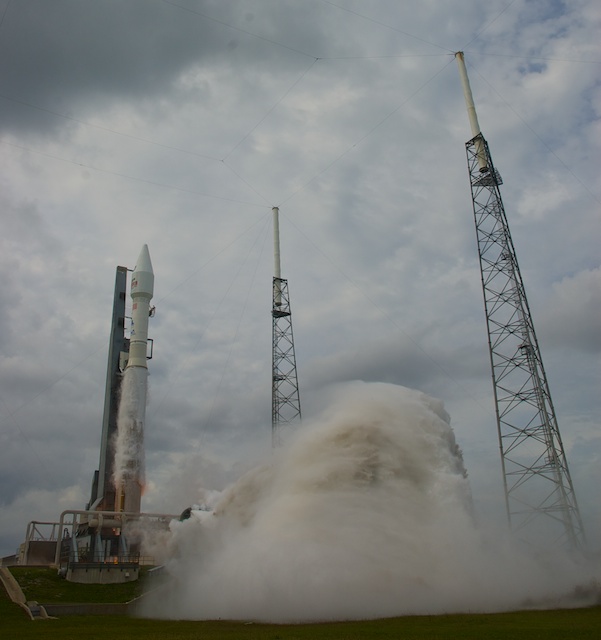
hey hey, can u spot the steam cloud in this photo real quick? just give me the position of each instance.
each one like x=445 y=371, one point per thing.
x=129 y=443
x=366 y=514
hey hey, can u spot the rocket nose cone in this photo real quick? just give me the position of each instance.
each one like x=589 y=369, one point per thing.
x=143 y=262
x=142 y=278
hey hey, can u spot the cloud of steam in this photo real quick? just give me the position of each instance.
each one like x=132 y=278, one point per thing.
x=129 y=443
x=366 y=514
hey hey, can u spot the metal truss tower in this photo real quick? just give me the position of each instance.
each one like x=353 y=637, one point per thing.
x=539 y=493
x=285 y=398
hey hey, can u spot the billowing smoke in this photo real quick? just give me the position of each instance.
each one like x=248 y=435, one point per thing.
x=129 y=443
x=366 y=514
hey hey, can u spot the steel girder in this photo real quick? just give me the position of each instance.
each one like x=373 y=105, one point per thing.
x=285 y=408
x=536 y=477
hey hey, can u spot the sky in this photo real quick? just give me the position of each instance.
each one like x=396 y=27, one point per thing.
x=181 y=124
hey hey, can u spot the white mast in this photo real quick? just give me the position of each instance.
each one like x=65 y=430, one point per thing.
x=277 y=274
x=471 y=110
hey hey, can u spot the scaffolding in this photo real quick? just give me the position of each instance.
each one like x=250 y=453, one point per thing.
x=285 y=398
x=538 y=487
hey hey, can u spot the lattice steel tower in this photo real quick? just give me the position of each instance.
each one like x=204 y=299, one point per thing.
x=285 y=399
x=539 y=494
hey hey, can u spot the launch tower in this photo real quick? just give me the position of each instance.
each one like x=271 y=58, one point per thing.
x=538 y=487
x=285 y=399
x=103 y=489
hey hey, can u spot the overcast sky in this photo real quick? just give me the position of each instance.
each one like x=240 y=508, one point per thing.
x=180 y=124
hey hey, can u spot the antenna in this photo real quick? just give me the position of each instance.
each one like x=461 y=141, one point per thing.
x=471 y=110
x=538 y=487
x=277 y=272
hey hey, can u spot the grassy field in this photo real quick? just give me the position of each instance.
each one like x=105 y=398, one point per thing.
x=573 y=624
x=44 y=585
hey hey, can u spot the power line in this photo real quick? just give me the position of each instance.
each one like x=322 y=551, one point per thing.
x=270 y=110
x=226 y=294
x=4 y=13
x=231 y=26
x=128 y=177
x=109 y=130
x=246 y=182
x=387 y=26
x=366 y=135
x=385 y=314
x=216 y=255
x=313 y=62
x=241 y=316
x=12 y=414
x=510 y=55
x=547 y=147
x=488 y=24
x=391 y=57
x=148 y=141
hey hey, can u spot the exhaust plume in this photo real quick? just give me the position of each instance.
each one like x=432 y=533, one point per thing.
x=128 y=474
x=366 y=514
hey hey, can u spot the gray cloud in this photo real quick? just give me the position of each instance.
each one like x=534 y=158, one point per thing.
x=79 y=58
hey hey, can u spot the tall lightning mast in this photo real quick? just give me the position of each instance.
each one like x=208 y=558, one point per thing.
x=285 y=399
x=539 y=495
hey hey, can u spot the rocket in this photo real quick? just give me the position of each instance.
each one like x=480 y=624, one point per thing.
x=129 y=445
x=142 y=289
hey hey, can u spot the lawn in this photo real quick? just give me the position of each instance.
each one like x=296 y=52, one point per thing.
x=46 y=586
x=573 y=624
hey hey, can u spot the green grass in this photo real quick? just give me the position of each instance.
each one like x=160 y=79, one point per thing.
x=44 y=585
x=573 y=624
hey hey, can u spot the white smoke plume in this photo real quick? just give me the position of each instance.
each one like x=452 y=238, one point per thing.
x=129 y=443
x=366 y=514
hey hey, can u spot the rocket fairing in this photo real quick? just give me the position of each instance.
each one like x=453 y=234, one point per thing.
x=142 y=289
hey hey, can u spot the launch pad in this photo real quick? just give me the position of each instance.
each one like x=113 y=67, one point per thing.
x=105 y=547
x=102 y=544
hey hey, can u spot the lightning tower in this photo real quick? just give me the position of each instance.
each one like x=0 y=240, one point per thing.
x=285 y=399
x=539 y=495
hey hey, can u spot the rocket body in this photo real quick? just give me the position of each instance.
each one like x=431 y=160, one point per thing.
x=129 y=445
x=142 y=289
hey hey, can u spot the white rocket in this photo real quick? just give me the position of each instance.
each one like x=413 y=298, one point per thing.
x=142 y=288
x=129 y=445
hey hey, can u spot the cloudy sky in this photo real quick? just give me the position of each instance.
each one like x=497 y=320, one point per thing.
x=181 y=123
